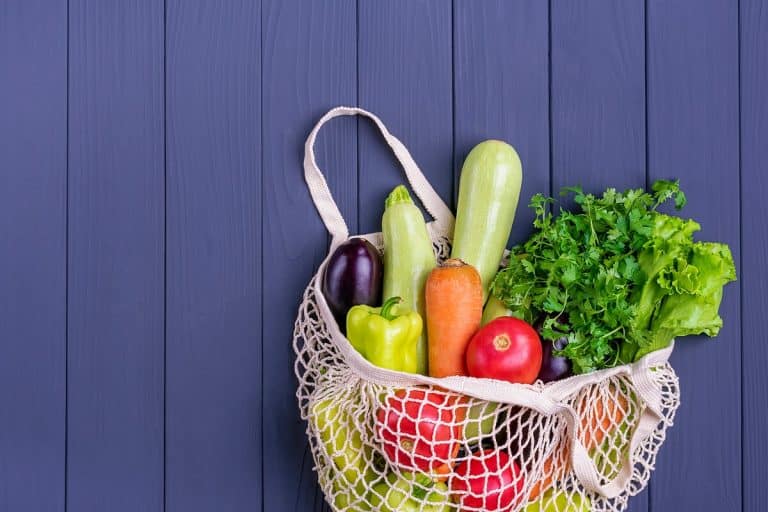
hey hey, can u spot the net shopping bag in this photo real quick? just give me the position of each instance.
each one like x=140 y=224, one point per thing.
x=387 y=441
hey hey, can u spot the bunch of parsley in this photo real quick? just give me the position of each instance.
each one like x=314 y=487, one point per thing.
x=579 y=276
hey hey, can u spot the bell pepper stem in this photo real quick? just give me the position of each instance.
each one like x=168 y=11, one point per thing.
x=387 y=307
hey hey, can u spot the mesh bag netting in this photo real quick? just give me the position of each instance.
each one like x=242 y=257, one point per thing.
x=389 y=441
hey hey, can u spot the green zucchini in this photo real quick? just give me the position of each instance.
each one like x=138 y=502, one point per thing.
x=489 y=190
x=408 y=258
x=494 y=309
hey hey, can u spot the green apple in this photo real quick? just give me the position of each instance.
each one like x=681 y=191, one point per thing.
x=343 y=443
x=480 y=420
x=608 y=455
x=406 y=493
x=560 y=502
x=349 y=499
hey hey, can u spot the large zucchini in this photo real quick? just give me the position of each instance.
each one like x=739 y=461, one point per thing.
x=408 y=258
x=489 y=189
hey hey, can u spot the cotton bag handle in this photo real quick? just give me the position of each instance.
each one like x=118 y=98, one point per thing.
x=321 y=194
x=550 y=400
x=583 y=465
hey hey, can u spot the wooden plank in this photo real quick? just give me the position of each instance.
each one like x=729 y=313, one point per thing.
x=214 y=218
x=754 y=247
x=115 y=254
x=598 y=101
x=309 y=63
x=33 y=167
x=598 y=94
x=405 y=56
x=693 y=134
x=501 y=84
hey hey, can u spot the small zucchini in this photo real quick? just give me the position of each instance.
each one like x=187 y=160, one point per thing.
x=408 y=258
x=494 y=309
x=489 y=190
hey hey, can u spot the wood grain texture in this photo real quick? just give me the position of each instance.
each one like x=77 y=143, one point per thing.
x=598 y=102
x=218 y=427
x=598 y=94
x=115 y=254
x=754 y=247
x=33 y=170
x=501 y=89
x=214 y=293
x=309 y=62
x=405 y=62
x=693 y=134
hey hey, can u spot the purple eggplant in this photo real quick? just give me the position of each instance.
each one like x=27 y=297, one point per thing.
x=554 y=367
x=353 y=276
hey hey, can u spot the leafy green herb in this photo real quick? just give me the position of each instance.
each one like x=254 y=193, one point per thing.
x=600 y=275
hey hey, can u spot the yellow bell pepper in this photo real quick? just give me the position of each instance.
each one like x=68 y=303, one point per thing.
x=387 y=336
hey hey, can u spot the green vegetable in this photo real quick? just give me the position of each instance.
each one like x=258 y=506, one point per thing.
x=488 y=194
x=693 y=286
x=408 y=258
x=341 y=435
x=618 y=278
x=493 y=309
x=387 y=336
x=664 y=260
x=407 y=493
x=560 y=502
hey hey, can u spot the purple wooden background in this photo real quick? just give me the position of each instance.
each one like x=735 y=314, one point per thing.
x=156 y=234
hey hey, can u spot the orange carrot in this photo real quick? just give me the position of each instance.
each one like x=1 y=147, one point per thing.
x=553 y=469
x=600 y=416
x=454 y=307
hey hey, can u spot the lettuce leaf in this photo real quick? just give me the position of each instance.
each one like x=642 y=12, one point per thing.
x=682 y=287
x=664 y=264
x=692 y=307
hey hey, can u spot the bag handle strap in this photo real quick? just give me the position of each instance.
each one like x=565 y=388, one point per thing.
x=583 y=465
x=321 y=194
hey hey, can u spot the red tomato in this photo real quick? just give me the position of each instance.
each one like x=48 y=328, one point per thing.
x=488 y=480
x=505 y=349
x=420 y=430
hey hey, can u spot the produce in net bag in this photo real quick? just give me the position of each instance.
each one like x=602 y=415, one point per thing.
x=439 y=372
